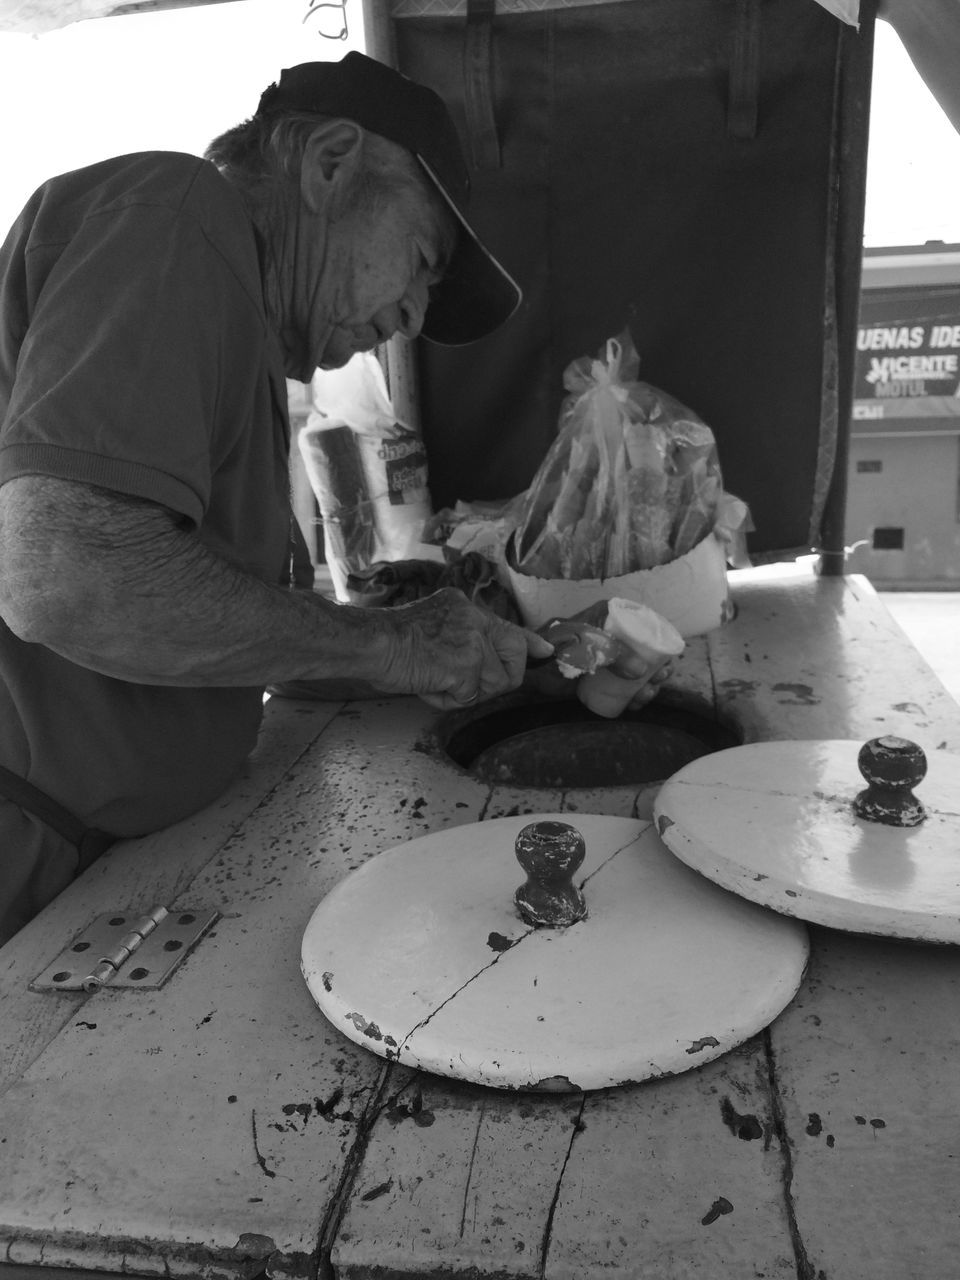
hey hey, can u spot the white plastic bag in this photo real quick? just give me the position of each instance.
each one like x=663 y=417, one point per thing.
x=367 y=470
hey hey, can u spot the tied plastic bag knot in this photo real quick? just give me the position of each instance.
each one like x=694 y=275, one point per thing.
x=606 y=377
x=619 y=365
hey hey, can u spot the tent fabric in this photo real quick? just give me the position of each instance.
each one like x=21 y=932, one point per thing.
x=632 y=189
x=846 y=10
x=36 y=16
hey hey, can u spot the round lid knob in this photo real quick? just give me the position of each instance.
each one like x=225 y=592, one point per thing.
x=550 y=852
x=891 y=767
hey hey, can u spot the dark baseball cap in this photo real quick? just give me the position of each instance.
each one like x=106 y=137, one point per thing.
x=476 y=294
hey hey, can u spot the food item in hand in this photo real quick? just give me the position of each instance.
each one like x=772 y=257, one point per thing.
x=579 y=648
x=632 y=634
x=643 y=631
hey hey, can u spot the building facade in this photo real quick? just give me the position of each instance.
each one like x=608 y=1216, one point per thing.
x=903 y=495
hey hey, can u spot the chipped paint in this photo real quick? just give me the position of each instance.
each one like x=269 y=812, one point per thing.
x=707 y=1042
x=891 y=766
x=801 y=695
x=497 y=942
x=376 y=1192
x=414 y=1110
x=550 y=853
x=364 y=1026
x=719 y=1207
x=737 y=686
x=253 y=1245
x=555 y=1084
x=254 y=1254
x=745 y=1127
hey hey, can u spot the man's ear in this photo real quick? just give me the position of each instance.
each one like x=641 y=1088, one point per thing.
x=331 y=157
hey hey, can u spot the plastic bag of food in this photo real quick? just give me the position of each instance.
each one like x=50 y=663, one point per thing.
x=368 y=471
x=631 y=481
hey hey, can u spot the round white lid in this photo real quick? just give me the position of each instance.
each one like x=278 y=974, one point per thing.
x=421 y=955
x=775 y=823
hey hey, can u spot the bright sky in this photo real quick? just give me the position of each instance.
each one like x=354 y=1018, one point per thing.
x=176 y=78
x=171 y=80
x=913 y=167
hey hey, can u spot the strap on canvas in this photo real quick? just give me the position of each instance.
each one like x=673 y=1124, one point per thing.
x=478 y=85
x=744 y=88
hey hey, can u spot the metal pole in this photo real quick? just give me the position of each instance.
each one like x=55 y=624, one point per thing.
x=378 y=34
x=398 y=355
x=856 y=54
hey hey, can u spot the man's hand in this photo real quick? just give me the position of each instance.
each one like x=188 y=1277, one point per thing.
x=451 y=653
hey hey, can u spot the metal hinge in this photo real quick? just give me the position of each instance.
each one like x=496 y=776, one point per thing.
x=120 y=949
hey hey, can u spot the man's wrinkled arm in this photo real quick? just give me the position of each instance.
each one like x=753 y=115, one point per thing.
x=120 y=586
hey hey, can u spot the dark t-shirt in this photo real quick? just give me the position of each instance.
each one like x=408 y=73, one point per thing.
x=135 y=354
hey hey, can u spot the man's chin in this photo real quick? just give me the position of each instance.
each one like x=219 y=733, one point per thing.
x=341 y=349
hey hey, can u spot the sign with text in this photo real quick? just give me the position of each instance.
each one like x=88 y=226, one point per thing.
x=908 y=369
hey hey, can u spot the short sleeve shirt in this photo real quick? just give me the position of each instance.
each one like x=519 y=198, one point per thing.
x=136 y=355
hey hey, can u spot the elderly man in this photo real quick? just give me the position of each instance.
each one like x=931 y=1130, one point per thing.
x=152 y=307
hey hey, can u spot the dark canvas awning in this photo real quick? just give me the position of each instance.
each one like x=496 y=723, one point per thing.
x=36 y=16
